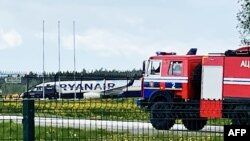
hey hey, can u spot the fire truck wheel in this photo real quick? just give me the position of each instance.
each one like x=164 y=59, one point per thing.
x=161 y=116
x=194 y=124
x=161 y=96
x=192 y=120
x=241 y=116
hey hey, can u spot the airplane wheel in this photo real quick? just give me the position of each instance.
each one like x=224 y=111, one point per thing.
x=161 y=117
x=56 y=95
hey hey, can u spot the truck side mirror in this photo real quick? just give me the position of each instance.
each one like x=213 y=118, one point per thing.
x=143 y=67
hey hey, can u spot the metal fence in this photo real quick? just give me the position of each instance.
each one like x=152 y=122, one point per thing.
x=99 y=119
x=104 y=119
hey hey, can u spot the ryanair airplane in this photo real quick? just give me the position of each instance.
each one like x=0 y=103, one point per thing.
x=85 y=89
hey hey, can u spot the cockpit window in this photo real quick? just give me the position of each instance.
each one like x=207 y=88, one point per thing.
x=37 y=89
x=175 y=68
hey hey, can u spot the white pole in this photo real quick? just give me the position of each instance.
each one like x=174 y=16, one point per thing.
x=74 y=44
x=43 y=62
x=59 y=62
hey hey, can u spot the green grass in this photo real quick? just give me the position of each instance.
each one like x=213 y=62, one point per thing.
x=13 y=131
x=10 y=130
x=107 y=109
x=98 y=109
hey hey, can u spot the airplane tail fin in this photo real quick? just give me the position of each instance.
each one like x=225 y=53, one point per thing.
x=192 y=51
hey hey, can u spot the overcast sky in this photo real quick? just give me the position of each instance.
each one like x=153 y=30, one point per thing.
x=111 y=34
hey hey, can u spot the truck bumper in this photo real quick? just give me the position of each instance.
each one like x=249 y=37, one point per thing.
x=140 y=102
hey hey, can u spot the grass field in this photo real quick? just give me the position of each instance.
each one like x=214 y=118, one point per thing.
x=13 y=131
x=108 y=109
x=99 y=109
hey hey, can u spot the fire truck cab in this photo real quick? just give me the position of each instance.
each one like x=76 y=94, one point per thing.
x=170 y=73
x=195 y=88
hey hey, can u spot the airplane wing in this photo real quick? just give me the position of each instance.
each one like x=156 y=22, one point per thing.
x=108 y=93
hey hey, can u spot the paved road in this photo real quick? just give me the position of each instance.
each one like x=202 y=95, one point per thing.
x=133 y=127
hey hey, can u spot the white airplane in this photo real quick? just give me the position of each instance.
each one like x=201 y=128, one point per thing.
x=85 y=89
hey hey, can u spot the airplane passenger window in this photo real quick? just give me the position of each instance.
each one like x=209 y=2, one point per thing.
x=175 y=68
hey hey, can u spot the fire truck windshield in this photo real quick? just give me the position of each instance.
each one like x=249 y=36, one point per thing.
x=154 y=67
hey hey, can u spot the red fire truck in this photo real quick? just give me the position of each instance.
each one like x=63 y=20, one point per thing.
x=194 y=88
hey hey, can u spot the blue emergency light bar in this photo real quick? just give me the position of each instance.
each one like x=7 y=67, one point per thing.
x=165 y=53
